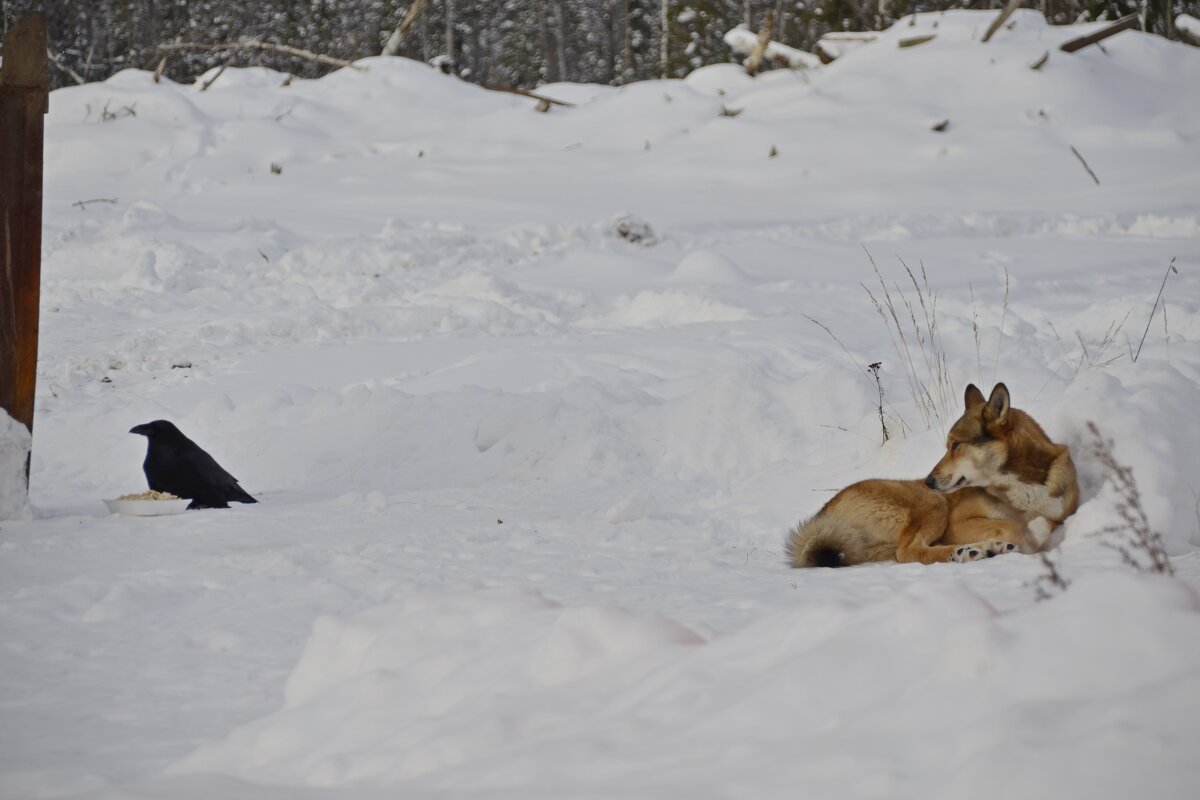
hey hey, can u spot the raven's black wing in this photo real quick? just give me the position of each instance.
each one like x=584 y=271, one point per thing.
x=184 y=469
x=219 y=485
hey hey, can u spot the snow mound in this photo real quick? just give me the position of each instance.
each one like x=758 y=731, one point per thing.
x=654 y=309
x=496 y=690
x=1146 y=410
x=703 y=266
x=719 y=79
x=434 y=680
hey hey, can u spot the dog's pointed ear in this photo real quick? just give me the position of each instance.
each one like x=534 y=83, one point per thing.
x=997 y=405
x=973 y=397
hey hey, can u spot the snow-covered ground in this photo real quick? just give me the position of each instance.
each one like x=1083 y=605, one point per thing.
x=524 y=483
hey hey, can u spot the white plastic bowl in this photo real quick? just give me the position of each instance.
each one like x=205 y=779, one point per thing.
x=147 y=508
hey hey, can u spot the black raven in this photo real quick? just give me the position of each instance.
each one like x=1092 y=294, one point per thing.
x=176 y=464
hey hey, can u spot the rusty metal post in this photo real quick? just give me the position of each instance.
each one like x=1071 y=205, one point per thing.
x=24 y=99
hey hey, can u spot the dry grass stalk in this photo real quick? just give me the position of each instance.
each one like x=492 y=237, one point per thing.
x=1094 y=354
x=874 y=368
x=918 y=344
x=1170 y=268
x=1139 y=545
x=1085 y=165
x=1003 y=317
x=1050 y=582
x=975 y=332
x=833 y=336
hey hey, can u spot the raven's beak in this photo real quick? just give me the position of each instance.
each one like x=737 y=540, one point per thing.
x=141 y=430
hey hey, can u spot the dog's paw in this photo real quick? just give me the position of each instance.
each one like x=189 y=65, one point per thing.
x=998 y=547
x=982 y=550
x=968 y=552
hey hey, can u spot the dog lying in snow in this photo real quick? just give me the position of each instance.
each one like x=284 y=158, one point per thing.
x=1002 y=486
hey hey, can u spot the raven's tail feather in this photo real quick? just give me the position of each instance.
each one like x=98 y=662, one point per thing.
x=831 y=542
x=240 y=495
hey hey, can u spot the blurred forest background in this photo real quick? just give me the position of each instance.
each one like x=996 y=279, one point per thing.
x=510 y=43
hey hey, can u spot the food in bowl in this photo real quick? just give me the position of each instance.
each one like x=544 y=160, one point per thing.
x=149 y=494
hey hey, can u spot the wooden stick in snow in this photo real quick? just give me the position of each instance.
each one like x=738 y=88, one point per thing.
x=541 y=98
x=1012 y=6
x=276 y=48
x=204 y=86
x=72 y=74
x=393 y=43
x=83 y=204
x=760 y=49
x=1124 y=23
x=158 y=73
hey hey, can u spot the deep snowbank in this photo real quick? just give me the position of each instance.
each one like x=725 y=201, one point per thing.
x=506 y=691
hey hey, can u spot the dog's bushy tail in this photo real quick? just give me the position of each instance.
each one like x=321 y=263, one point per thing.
x=831 y=542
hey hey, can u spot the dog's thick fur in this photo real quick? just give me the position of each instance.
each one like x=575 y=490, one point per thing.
x=1002 y=450
x=886 y=520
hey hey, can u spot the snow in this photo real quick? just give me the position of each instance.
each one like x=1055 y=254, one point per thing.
x=494 y=686
x=524 y=480
x=743 y=40
x=14 y=456
x=836 y=44
x=1188 y=24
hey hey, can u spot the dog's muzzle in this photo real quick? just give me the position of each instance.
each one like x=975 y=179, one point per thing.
x=932 y=483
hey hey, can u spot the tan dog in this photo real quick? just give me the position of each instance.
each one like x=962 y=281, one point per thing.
x=1003 y=451
x=886 y=520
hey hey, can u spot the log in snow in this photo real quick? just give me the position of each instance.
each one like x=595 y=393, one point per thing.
x=1124 y=23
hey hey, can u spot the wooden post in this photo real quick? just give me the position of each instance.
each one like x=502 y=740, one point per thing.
x=24 y=99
